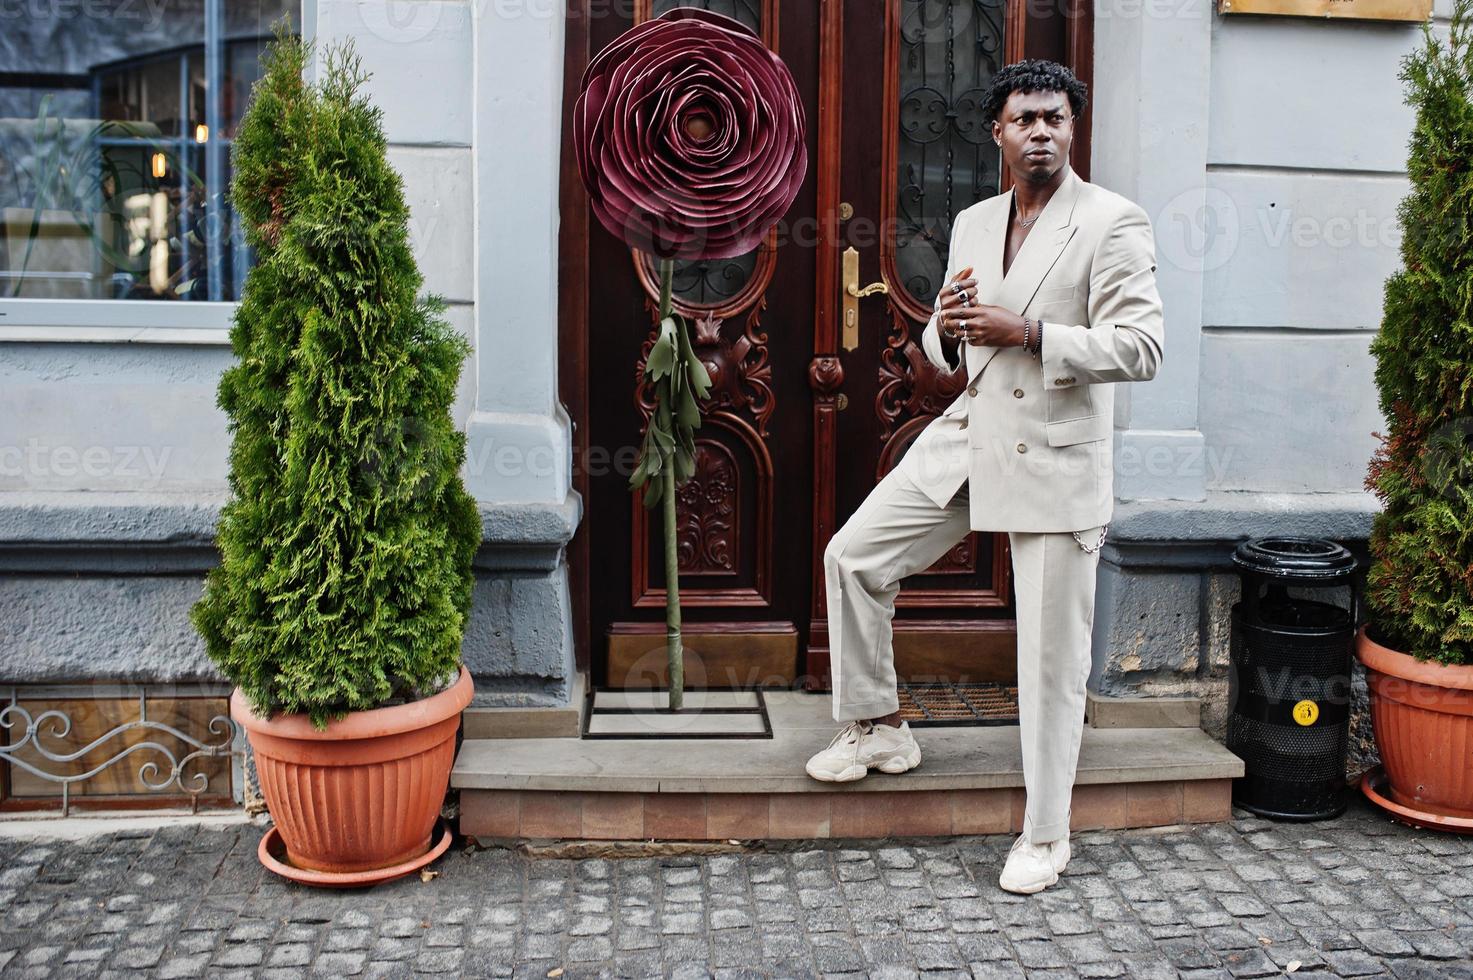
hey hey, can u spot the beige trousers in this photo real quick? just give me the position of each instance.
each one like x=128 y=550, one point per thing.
x=898 y=531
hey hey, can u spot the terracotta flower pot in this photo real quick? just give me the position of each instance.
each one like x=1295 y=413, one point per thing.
x=1422 y=715
x=363 y=795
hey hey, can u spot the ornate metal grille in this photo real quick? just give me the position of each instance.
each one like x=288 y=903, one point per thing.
x=949 y=51
x=710 y=283
x=32 y=741
x=749 y=12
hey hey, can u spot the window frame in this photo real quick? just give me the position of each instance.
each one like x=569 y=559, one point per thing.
x=156 y=321
x=139 y=321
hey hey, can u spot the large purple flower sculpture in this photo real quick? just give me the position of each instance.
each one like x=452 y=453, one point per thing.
x=690 y=136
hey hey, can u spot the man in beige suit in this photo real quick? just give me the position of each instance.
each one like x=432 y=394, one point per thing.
x=1050 y=298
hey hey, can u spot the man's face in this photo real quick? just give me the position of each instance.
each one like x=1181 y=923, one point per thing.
x=1035 y=130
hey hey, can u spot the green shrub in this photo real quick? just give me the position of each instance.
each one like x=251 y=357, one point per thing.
x=346 y=545
x=1420 y=585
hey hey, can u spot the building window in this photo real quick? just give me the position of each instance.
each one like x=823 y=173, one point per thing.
x=115 y=126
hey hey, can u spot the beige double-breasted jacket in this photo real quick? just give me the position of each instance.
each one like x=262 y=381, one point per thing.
x=1032 y=436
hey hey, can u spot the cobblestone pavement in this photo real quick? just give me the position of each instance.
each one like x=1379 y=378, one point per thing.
x=1357 y=896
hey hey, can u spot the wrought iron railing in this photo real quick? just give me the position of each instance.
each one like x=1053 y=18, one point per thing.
x=163 y=767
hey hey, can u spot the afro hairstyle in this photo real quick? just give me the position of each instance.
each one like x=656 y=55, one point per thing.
x=1033 y=75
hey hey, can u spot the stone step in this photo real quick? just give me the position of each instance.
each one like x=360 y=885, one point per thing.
x=971 y=781
x=530 y=722
x=564 y=721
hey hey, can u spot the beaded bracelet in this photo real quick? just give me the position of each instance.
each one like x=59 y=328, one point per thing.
x=1025 y=333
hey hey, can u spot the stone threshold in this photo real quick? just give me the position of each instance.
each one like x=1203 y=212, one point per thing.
x=840 y=814
x=973 y=757
x=971 y=781
x=565 y=720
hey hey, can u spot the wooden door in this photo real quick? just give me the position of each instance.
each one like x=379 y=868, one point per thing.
x=744 y=518
x=799 y=428
x=904 y=147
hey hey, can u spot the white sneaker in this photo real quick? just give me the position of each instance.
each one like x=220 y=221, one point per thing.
x=860 y=747
x=1033 y=867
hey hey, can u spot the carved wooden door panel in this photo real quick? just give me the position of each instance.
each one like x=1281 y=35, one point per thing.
x=799 y=428
x=905 y=147
x=744 y=518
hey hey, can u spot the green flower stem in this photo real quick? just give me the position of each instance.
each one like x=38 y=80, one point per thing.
x=674 y=649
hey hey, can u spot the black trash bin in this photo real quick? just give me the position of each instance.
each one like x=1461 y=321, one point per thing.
x=1289 y=677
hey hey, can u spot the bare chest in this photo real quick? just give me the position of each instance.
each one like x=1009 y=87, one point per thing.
x=1013 y=242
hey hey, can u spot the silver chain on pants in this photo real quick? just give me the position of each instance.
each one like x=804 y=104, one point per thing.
x=1087 y=549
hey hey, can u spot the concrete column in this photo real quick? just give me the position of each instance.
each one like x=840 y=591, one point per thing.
x=1151 y=109
x=519 y=445
x=472 y=96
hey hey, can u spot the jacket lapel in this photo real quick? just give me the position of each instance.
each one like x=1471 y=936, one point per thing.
x=1036 y=256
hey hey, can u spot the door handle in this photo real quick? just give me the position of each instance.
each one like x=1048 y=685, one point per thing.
x=852 y=295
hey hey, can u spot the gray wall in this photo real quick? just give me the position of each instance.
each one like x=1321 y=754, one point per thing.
x=1270 y=153
x=1306 y=158
x=80 y=418
x=113 y=454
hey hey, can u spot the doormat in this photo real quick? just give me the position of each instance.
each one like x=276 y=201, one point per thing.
x=941 y=704
x=643 y=713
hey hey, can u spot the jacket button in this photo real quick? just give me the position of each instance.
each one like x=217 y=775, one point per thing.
x=1022 y=448
x=964 y=422
x=972 y=391
x=1017 y=392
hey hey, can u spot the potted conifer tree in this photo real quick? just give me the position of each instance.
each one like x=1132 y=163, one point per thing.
x=340 y=601
x=1417 y=647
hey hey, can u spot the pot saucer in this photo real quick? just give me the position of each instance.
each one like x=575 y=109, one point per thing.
x=1373 y=783
x=272 y=853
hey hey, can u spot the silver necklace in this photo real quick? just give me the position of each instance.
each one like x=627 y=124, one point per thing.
x=1026 y=222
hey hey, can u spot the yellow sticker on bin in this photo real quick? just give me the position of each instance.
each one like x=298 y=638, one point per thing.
x=1305 y=712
